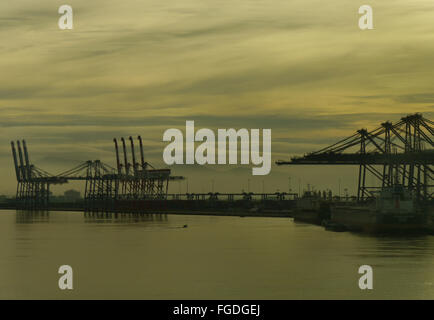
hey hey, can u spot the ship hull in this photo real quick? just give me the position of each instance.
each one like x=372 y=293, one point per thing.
x=308 y=216
x=362 y=219
x=313 y=215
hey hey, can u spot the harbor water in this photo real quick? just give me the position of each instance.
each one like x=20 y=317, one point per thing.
x=127 y=256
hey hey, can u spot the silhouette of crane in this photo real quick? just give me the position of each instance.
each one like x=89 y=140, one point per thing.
x=404 y=150
x=104 y=185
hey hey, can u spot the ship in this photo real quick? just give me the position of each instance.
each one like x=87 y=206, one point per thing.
x=311 y=208
x=393 y=209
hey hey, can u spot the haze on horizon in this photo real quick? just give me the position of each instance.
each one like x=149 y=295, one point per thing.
x=302 y=68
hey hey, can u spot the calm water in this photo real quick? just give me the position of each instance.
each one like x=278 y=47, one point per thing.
x=153 y=257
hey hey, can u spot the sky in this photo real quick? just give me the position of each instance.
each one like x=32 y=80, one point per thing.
x=302 y=68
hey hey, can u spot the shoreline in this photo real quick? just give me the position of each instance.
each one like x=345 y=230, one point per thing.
x=264 y=214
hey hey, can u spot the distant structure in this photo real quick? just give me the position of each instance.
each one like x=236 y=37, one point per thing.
x=105 y=186
x=404 y=151
x=72 y=195
x=33 y=187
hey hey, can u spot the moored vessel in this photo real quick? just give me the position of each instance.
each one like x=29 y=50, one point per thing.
x=312 y=208
x=394 y=209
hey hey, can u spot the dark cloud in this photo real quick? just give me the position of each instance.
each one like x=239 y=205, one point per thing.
x=21 y=92
x=424 y=97
x=416 y=98
x=123 y=121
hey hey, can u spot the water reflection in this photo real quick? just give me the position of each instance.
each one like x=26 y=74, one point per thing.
x=417 y=248
x=110 y=217
x=215 y=258
x=34 y=216
x=43 y=216
x=413 y=247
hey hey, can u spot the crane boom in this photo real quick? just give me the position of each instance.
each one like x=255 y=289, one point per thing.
x=133 y=154
x=127 y=167
x=142 y=157
x=118 y=163
x=26 y=157
x=14 y=154
x=20 y=154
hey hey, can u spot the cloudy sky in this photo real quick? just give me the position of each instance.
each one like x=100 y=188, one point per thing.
x=300 y=67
